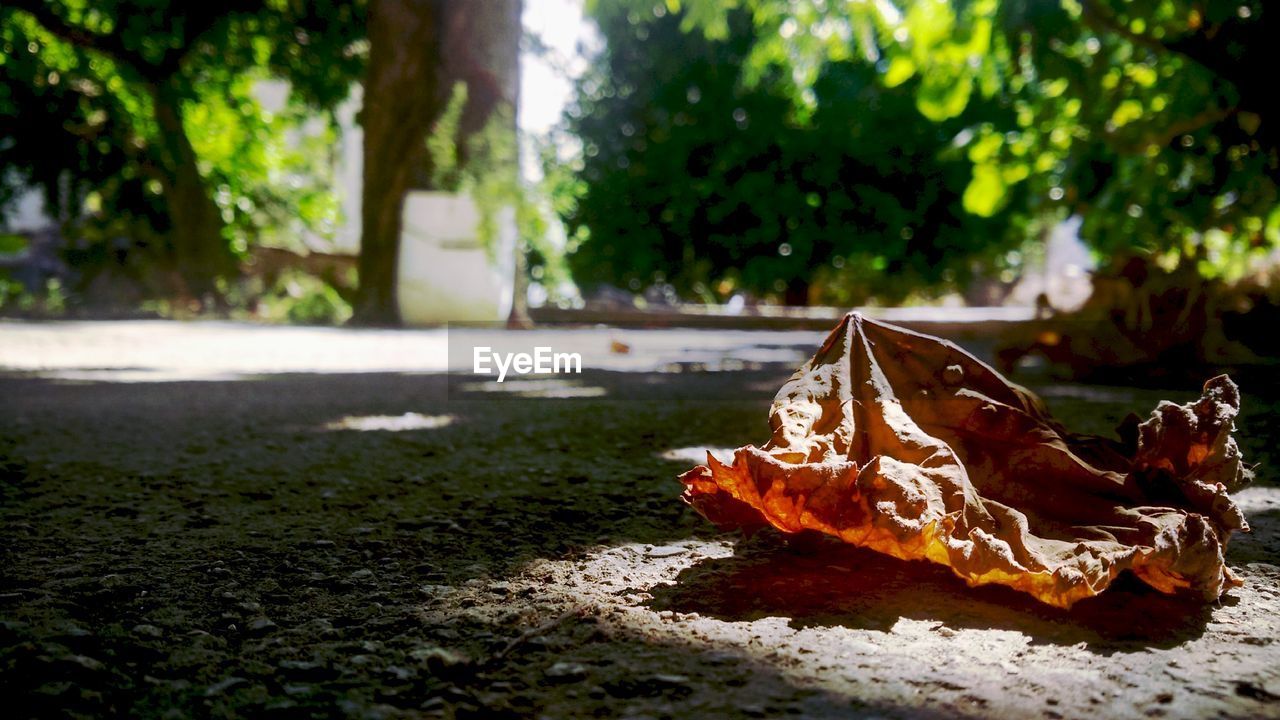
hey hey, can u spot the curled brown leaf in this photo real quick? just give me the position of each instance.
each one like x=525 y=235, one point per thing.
x=905 y=444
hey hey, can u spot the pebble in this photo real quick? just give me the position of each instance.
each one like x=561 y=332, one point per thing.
x=261 y=626
x=224 y=685
x=566 y=672
x=441 y=661
x=306 y=670
x=401 y=673
x=147 y=631
x=83 y=661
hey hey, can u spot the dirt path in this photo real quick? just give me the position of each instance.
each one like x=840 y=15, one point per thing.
x=371 y=545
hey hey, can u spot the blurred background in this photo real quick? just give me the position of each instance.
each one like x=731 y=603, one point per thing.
x=1097 y=176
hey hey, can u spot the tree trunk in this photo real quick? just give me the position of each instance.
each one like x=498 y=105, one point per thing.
x=402 y=99
x=201 y=253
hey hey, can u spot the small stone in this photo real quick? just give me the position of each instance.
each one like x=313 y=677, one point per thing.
x=83 y=661
x=566 y=672
x=401 y=673
x=306 y=670
x=224 y=685
x=150 y=631
x=261 y=626
x=441 y=662
x=299 y=690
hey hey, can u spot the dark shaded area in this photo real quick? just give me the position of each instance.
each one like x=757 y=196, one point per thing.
x=206 y=546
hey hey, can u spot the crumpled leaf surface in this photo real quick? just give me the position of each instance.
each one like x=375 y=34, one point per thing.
x=905 y=444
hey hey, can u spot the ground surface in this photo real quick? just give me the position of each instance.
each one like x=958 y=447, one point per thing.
x=378 y=544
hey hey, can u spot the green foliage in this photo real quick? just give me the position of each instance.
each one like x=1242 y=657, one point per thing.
x=1147 y=117
x=271 y=173
x=493 y=175
x=77 y=118
x=302 y=299
x=442 y=144
x=12 y=244
x=695 y=177
x=69 y=125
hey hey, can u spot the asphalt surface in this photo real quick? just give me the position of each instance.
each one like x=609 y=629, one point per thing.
x=218 y=520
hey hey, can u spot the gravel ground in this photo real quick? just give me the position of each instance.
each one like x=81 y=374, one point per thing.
x=388 y=544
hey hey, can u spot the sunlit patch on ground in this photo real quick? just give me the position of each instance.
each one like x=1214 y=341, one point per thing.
x=852 y=623
x=150 y=350
x=697 y=455
x=391 y=423
x=1258 y=499
x=537 y=388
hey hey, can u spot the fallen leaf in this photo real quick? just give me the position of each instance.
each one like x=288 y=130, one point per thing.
x=905 y=444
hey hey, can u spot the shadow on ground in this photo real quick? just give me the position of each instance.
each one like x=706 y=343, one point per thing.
x=814 y=582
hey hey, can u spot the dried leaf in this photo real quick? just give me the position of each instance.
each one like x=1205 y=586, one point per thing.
x=905 y=444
